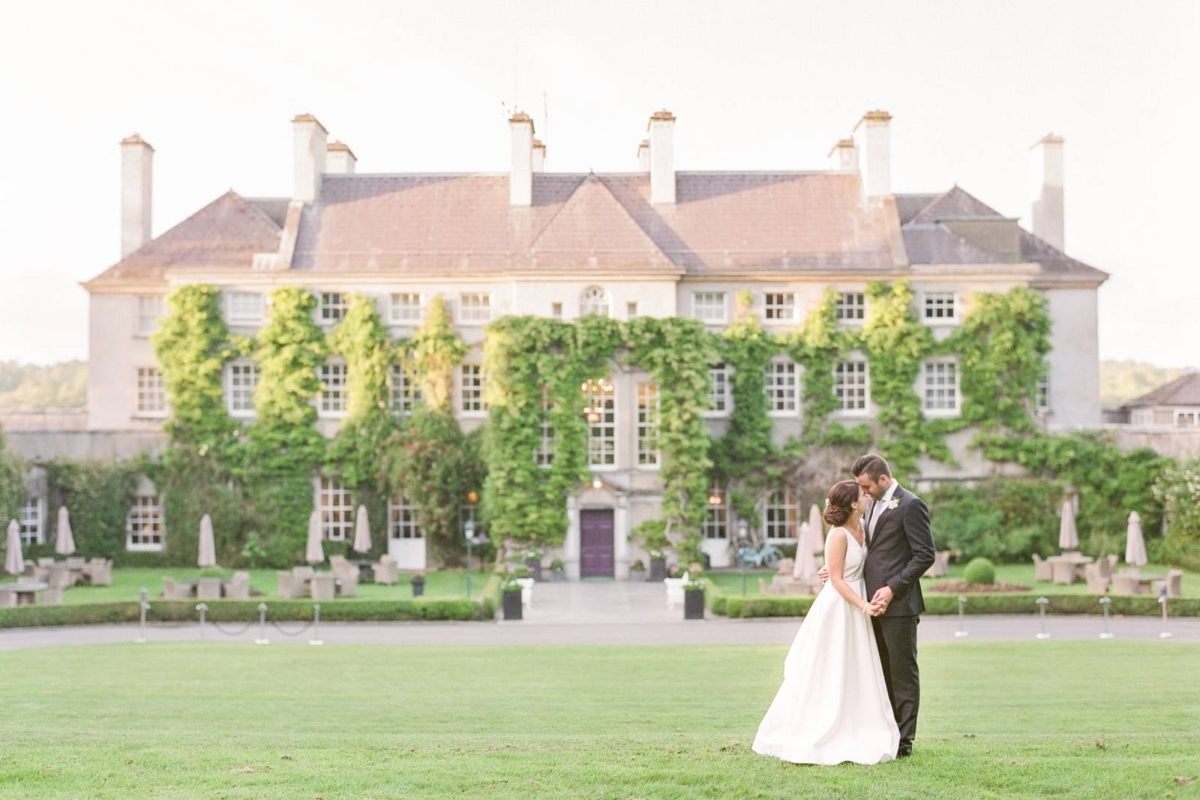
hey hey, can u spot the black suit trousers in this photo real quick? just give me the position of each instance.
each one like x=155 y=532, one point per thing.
x=897 y=640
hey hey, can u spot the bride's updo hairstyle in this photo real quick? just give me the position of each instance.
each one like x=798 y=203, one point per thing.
x=839 y=503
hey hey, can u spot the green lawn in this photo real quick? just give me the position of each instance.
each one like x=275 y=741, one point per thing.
x=1069 y=719
x=731 y=582
x=128 y=581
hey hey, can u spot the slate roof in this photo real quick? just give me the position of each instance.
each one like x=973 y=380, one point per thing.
x=1183 y=391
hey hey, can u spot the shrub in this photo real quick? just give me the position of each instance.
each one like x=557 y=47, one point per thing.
x=980 y=572
x=557 y=566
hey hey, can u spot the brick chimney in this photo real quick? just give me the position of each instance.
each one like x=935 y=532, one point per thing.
x=873 y=139
x=643 y=156
x=339 y=159
x=308 y=139
x=520 y=177
x=137 y=161
x=539 y=156
x=1046 y=189
x=843 y=156
x=662 y=157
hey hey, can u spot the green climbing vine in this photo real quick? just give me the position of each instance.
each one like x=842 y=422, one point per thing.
x=434 y=352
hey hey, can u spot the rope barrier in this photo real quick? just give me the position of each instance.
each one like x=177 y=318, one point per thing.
x=244 y=628
x=275 y=625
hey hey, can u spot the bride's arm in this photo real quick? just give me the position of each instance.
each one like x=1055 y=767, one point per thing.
x=835 y=551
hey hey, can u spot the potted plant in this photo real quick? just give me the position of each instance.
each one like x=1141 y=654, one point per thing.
x=556 y=571
x=653 y=535
x=637 y=570
x=511 y=593
x=693 y=599
x=418 y=583
x=533 y=560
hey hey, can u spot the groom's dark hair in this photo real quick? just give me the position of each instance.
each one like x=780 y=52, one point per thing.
x=871 y=464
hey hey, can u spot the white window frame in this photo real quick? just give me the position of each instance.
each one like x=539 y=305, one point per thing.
x=236 y=315
x=781 y=511
x=402 y=518
x=472 y=384
x=852 y=377
x=935 y=302
x=1041 y=395
x=331 y=398
x=772 y=385
x=720 y=390
x=1141 y=416
x=474 y=308
x=631 y=310
x=850 y=308
x=401 y=310
x=782 y=316
x=927 y=372
x=716 y=517
x=543 y=454
x=602 y=443
x=595 y=301
x=556 y=310
x=149 y=386
x=1180 y=415
x=146 y=514
x=32 y=521
x=332 y=307
x=236 y=372
x=710 y=308
x=649 y=416
x=335 y=507
x=404 y=393
x=151 y=308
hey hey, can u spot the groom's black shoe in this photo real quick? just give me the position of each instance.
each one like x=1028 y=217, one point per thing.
x=904 y=752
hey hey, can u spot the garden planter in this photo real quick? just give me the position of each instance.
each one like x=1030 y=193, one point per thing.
x=693 y=604
x=535 y=568
x=418 y=586
x=637 y=575
x=512 y=604
x=557 y=576
x=658 y=569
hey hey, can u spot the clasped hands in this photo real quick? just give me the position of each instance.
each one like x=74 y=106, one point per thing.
x=878 y=603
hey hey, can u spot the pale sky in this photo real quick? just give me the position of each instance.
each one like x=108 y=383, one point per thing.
x=418 y=87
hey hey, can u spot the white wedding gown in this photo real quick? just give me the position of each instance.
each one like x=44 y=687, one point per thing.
x=833 y=705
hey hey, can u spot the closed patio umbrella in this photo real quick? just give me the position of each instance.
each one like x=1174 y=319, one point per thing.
x=313 y=552
x=817 y=530
x=1068 y=537
x=806 y=562
x=64 y=540
x=1135 y=542
x=208 y=549
x=14 y=563
x=362 y=531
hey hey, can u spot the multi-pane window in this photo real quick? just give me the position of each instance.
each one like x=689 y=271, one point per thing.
x=406 y=307
x=243 y=377
x=781 y=515
x=850 y=385
x=851 y=306
x=647 y=425
x=144 y=525
x=151 y=394
x=779 y=307
x=1041 y=395
x=718 y=390
x=1142 y=417
x=471 y=388
x=940 y=307
x=708 y=306
x=631 y=310
x=1186 y=419
x=404 y=392
x=402 y=518
x=333 y=387
x=475 y=307
x=332 y=308
x=336 y=508
x=543 y=456
x=602 y=424
x=556 y=310
x=716 y=516
x=594 y=302
x=151 y=308
x=780 y=384
x=244 y=308
x=31 y=522
x=940 y=387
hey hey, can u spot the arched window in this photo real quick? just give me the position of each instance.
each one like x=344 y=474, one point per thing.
x=594 y=301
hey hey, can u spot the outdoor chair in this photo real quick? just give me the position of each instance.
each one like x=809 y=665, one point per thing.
x=1097 y=582
x=303 y=573
x=1041 y=569
x=238 y=588
x=51 y=597
x=347 y=583
x=1124 y=584
x=7 y=598
x=45 y=562
x=322 y=586
x=1113 y=558
x=786 y=566
x=1174 y=584
x=941 y=565
x=175 y=591
x=75 y=562
x=1104 y=567
x=208 y=589
x=675 y=590
x=386 y=571
x=526 y=585
x=289 y=587
x=1062 y=572
x=241 y=575
x=342 y=567
x=100 y=572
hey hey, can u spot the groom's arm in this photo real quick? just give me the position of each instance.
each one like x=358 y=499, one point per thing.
x=920 y=542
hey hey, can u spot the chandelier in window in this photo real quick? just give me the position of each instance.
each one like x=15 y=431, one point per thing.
x=597 y=393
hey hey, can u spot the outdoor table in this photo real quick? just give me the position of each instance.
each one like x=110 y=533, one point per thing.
x=366 y=572
x=26 y=593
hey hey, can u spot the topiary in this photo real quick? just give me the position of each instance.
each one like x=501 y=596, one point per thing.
x=980 y=572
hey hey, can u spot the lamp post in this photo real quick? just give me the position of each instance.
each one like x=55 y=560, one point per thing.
x=743 y=542
x=469 y=529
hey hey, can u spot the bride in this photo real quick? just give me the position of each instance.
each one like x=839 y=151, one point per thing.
x=833 y=705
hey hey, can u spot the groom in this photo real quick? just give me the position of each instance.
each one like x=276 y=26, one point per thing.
x=899 y=550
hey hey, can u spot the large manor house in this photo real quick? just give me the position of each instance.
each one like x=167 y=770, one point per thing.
x=653 y=241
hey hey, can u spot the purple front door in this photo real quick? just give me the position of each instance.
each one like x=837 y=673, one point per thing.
x=596 y=542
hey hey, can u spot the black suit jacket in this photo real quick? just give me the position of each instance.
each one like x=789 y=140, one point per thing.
x=899 y=553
